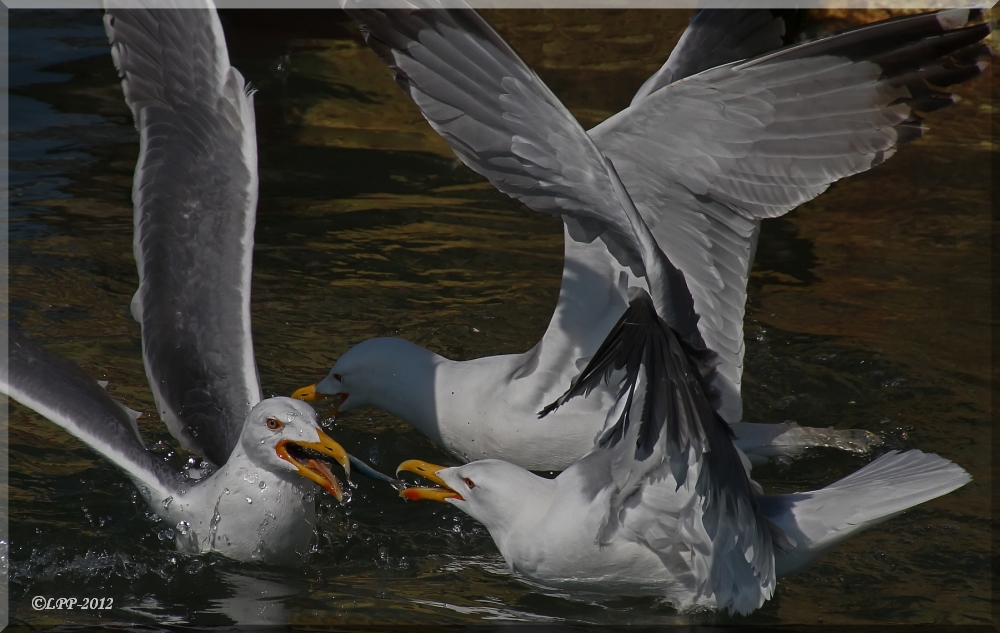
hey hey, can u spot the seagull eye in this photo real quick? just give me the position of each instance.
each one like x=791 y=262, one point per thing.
x=273 y=423
x=338 y=378
x=469 y=483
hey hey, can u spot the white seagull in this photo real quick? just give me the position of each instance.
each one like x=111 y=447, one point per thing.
x=709 y=542
x=662 y=504
x=707 y=149
x=195 y=196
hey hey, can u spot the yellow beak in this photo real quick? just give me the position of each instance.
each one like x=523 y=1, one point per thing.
x=310 y=394
x=428 y=471
x=316 y=470
x=307 y=393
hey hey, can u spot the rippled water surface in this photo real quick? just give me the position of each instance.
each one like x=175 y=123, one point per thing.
x=868 y=308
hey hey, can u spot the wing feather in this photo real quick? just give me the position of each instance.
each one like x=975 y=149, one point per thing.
x=195 y=196
x=59 y=390
x=716 y=152
x=675 y=473
x=498 y=116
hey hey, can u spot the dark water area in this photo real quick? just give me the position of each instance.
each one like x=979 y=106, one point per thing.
x=868 y=308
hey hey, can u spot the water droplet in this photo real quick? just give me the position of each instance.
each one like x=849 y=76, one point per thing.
x=251 y=477
x=195 y=566
x=249 y=500
x=183 y=527
x=263 y=485
x=383 y=553
x=167 y=502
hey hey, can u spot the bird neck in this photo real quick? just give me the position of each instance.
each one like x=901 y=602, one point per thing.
x=398 y=377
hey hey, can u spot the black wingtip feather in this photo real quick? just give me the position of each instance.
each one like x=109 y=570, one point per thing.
x=667 y=392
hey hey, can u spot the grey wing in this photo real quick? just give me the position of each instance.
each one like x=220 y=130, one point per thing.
x=677 y=480
x=715 y=37
x=499 y=117
x=195 y=197
x=707 y=157
x=58 y=389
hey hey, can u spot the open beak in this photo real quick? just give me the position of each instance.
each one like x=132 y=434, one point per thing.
x=427 y=471
x=314 y=469
x=309 y=394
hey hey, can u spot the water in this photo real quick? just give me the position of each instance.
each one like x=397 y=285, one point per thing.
x=868 y=309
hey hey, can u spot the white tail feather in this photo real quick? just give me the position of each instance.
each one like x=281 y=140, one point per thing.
x=819 y=520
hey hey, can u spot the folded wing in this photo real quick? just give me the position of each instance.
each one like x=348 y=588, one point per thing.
x=195 y=196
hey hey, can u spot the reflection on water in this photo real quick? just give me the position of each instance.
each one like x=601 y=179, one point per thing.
x=868 y=309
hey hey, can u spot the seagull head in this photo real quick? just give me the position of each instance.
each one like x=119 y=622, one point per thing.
x=365 y=368
x=331 y=386
x=282 y=435
x=392 y=374
x=494 y=492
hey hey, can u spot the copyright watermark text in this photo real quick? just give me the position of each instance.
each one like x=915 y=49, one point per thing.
x=40 y=603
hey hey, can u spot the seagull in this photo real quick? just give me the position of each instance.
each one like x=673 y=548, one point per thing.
x=254 y=506
x=195 y=195
x=694 y=547
x=708 y=147
x=662 y=503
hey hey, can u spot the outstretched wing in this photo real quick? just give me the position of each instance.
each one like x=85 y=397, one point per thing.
x=195 y=196
x=498 y=116
x=58 y=389
x=715 y=37
x=707 y=157
x=785 y=124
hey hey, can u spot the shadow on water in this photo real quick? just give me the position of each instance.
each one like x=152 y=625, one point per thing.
x=864 y=311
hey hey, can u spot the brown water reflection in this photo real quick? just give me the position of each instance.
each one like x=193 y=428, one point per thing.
x=868 y=309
